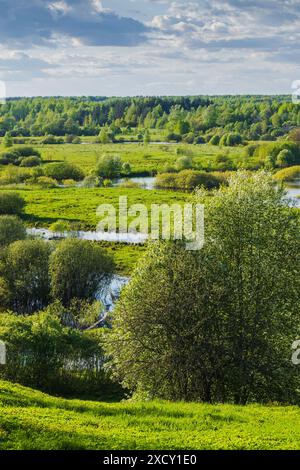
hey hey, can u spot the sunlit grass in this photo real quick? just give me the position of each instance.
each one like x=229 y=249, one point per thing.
x=32 y=420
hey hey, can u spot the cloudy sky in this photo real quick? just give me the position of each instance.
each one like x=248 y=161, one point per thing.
x=149 y=47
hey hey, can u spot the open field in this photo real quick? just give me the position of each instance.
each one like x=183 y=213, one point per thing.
x=79 y=205
x=32 y=420
x=142 y=158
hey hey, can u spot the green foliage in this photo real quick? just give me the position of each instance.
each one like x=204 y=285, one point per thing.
x=220 y=327
x=109 y=167
x=44 y=354
x=274 y=150
x=188 y=180
x=8 y=140
x=147 y=137
x=184 y=163
x=30 y=162
x=126 y=169
x=285 y=158
x=11 y=203
x=60 y=226
x=77 y=269
x=51 y=140
x=11 y=230
x=25 y=268
x=230 y=140
x=253 y=118
x=103 y=137
x=215 y=140
x=154 y=425
x=46 y=182
x=63 y=171
x=26 y=151
x=288 y=174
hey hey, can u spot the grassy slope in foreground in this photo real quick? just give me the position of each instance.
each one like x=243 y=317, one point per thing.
x=32 y=420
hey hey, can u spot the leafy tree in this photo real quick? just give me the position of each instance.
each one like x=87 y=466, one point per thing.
x=44 y=354
x=126 y=169
x=25 y=268
x=28 y=152
x=103 y=137
x=11 y=230
x=221 y=324
x=64 y=171
x=215 y=140
x=29 y=162
x=285 y=158
x=147 y=137
x=77 y=269
x=109 y=167
x=295 y=135
x=11 y=203
x=8 y=140
x=184 y=163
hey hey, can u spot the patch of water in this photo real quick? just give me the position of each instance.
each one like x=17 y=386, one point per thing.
x=145 y=182
x=111 y=293
x=293 y=192
x=130 y=238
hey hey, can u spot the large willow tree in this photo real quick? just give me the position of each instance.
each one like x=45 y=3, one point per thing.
x=217 y=324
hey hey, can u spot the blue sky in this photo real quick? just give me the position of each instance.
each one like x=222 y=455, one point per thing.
x=149 y=47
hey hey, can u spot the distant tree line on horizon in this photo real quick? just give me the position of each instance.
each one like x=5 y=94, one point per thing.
x=193 y=119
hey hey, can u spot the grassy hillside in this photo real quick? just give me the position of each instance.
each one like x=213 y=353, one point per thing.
x=32 y=420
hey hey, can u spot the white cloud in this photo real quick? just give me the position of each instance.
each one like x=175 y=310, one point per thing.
x=176 y=47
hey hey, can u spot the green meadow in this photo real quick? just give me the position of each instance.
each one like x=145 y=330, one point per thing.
x=78 y=207
x=142 y=158
x=32 y=420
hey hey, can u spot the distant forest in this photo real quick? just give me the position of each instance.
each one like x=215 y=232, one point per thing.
x=191 y=119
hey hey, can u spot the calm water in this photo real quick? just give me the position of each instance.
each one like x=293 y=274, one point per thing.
x=110 y=294
x=145 y=182
x=130 y=238
x=294 y=191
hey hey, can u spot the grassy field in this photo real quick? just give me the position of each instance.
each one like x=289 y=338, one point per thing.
x=79 y=205
x=32 y=420
x=142 y=158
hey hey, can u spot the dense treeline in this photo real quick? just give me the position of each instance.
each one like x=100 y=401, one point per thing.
x=252 y=117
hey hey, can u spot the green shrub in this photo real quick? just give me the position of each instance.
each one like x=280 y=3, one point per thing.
x=184 y=163
x=9 y=158
x=46 y=182
x=11 y=230
x=109 y=167
x=77 y=268
x=285 y=158
x=14 y=175
x=11 y=203
x=215 y=140
x=25 y=267
x=43 y=354
x=188 y=180
x=52 y=140
x=288 y=174
x=28 y=152
x=29 y=162
x=274 y=149
x=64 y=171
